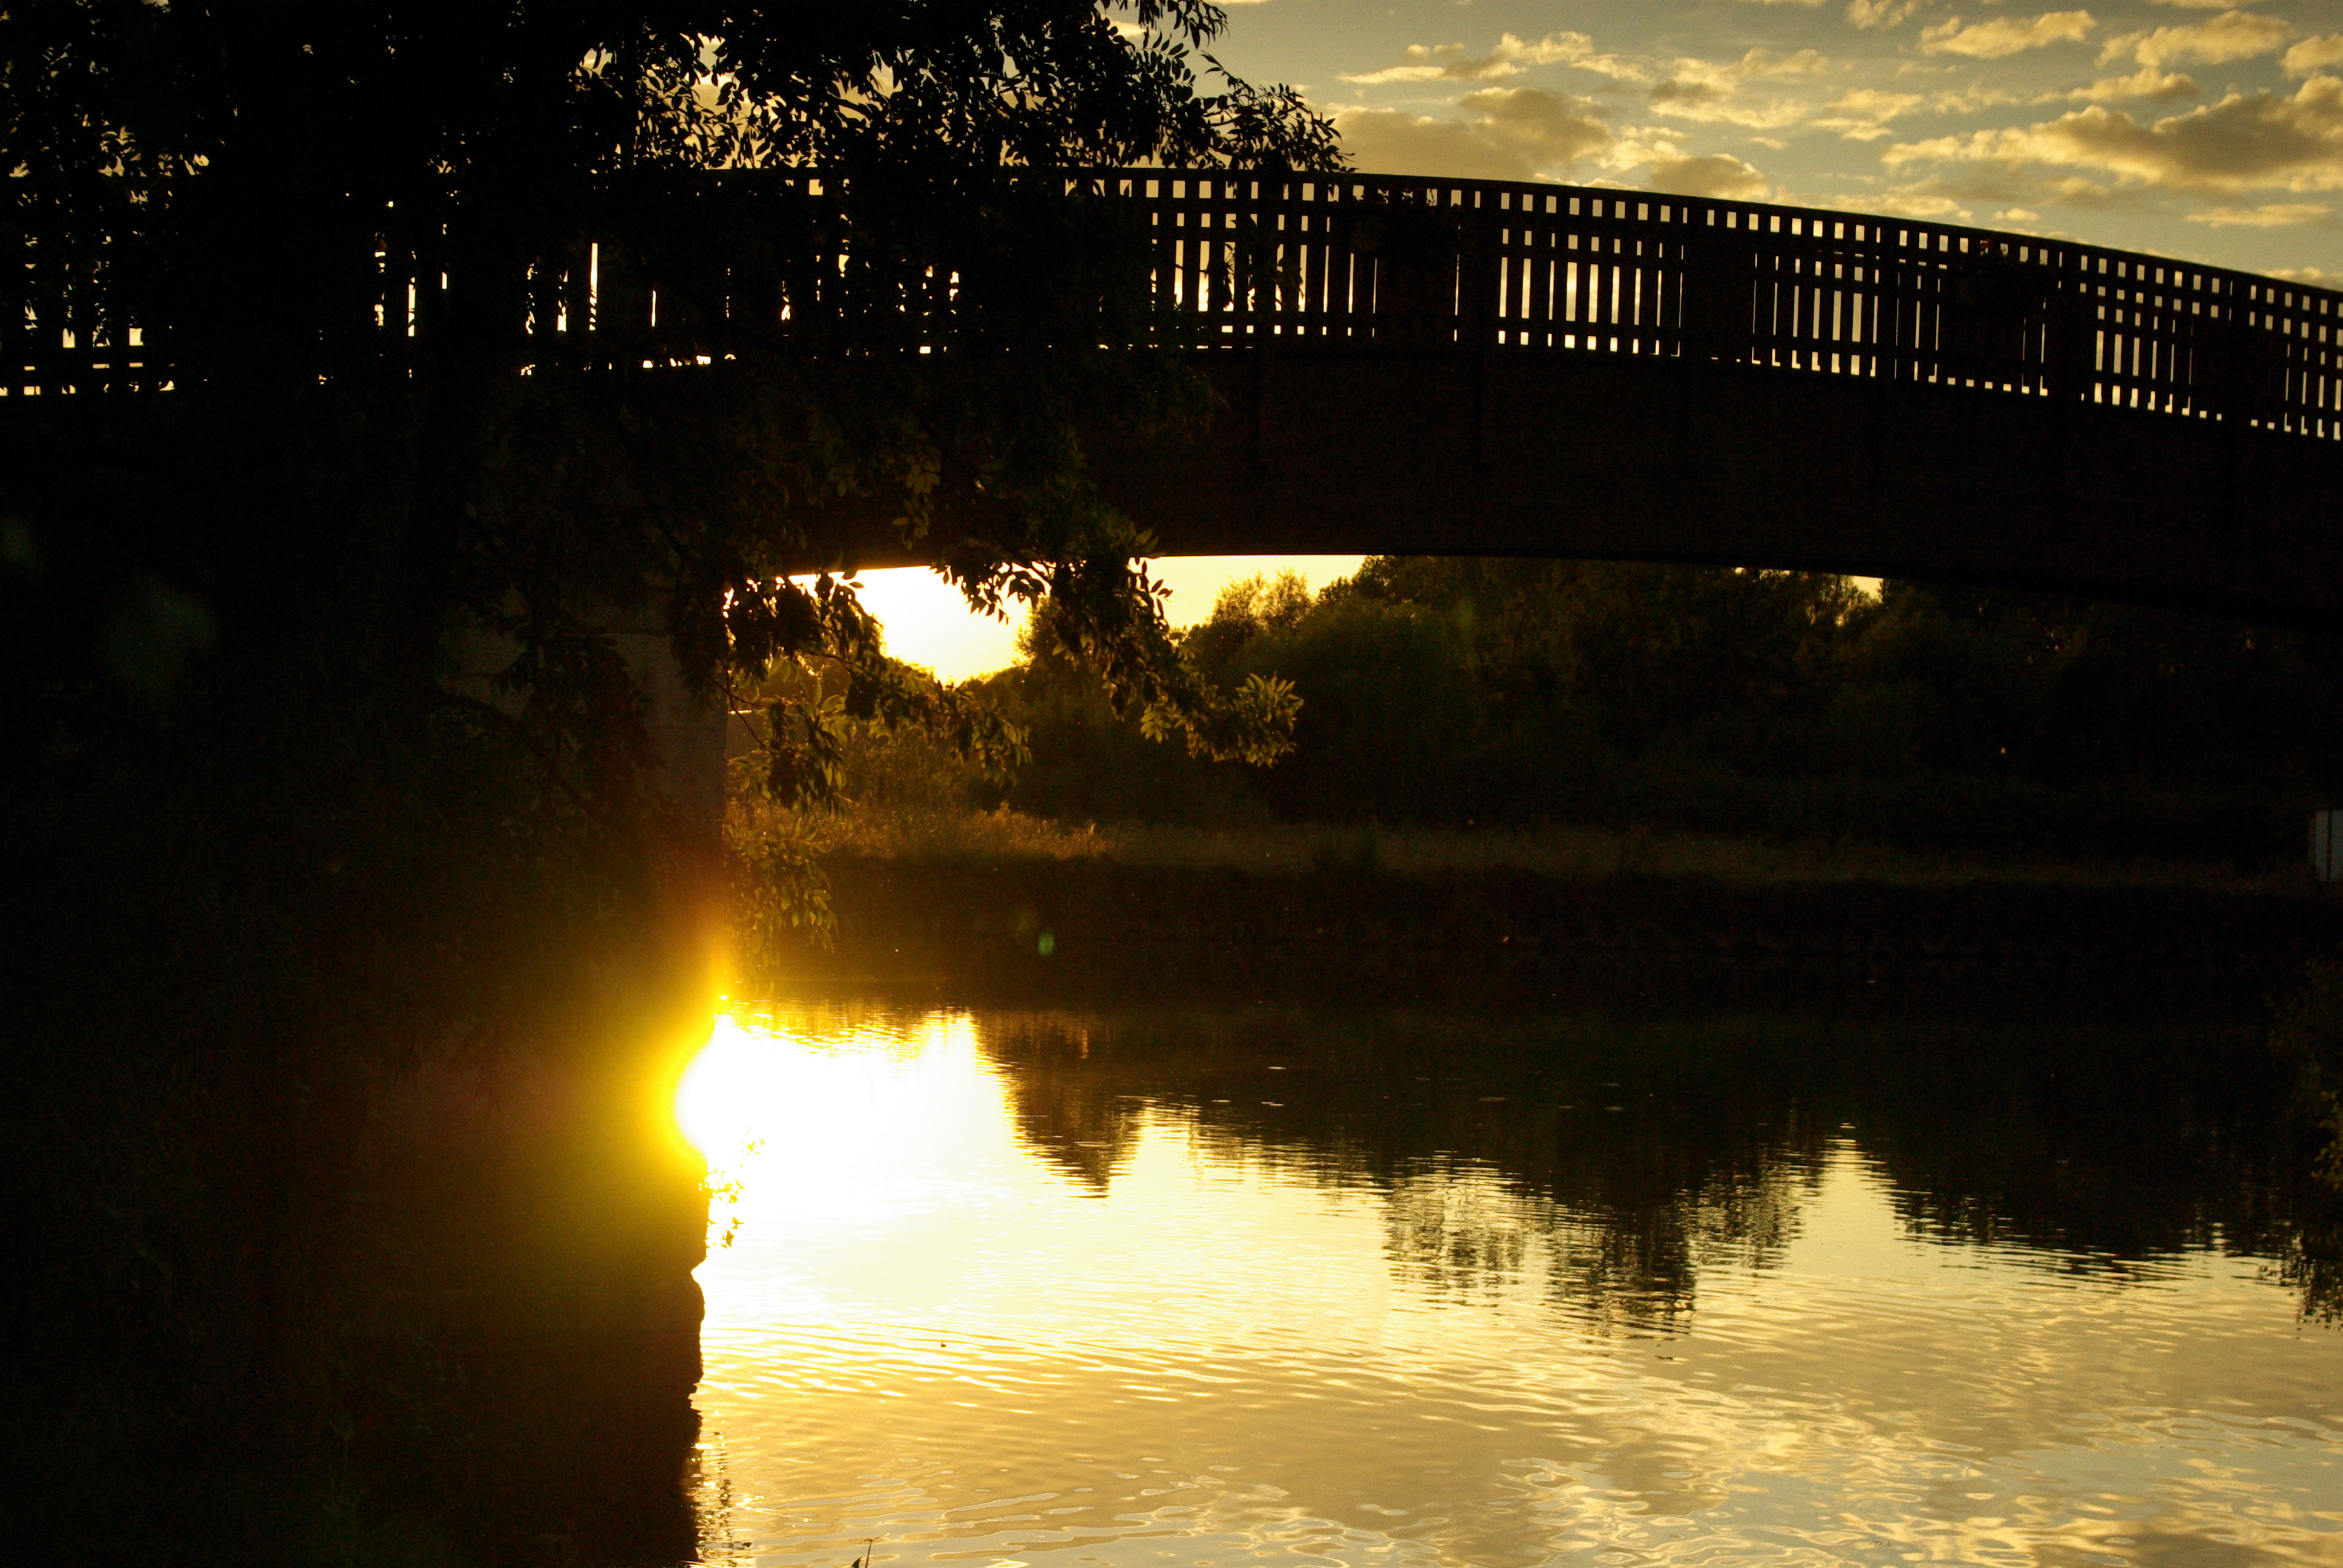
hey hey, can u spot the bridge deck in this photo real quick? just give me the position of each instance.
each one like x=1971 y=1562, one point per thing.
x=1338 y=450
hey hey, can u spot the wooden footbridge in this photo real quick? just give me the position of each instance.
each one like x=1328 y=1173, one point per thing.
x=1424 y=366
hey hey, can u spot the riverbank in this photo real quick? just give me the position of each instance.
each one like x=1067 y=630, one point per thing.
x=1428 y=915
x=1562 y=851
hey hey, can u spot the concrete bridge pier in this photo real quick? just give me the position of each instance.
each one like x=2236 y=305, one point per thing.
x=686 y=732
x=687 y=735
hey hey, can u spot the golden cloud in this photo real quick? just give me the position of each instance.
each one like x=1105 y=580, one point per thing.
x=2248 y=141
x=1862 y=115
x=2005 y=36
x=2314 y=54
x=2232 y=36
x=1506 y=133
x=1718 y=175
x=1881 y=13
x=1511 y=57
x=2271 y=215
x=2147 y=83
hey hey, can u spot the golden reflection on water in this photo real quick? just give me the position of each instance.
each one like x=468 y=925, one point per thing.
x=991 y=1306
x=799 y=1132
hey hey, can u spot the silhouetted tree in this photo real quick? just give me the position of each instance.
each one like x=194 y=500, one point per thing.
x=223 y=176
x=1776 y=703
x=274 y=845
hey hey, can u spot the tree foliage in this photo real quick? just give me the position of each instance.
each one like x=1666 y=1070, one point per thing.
x=1784 y=704
x=325 y=732
x=223 y=176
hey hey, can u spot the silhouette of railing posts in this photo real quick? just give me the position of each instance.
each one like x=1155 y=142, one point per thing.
x=1251 y=260
x=1246 y=259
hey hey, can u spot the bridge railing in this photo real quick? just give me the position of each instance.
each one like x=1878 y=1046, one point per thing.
x=1252 y=260
x=1248 y=259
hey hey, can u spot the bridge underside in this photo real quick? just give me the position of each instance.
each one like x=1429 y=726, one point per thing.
x=1623 y=457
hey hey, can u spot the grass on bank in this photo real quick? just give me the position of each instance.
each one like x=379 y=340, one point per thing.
x=934 y=832
x=914 y=801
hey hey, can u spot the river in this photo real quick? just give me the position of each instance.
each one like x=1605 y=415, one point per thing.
x=1220 y=1286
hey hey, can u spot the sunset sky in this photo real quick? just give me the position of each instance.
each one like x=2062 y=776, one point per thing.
x=2186 y=128
x=929 y=624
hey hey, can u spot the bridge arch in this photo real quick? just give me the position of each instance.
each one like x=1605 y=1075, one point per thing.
x=1429 y=365
x=1417 y=366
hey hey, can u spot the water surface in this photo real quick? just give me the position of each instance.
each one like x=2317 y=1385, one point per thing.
x=1248 y=1286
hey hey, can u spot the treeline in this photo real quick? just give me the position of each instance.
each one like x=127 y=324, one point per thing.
x=1464 y=692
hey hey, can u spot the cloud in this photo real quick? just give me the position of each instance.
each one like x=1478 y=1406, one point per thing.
x=1862 y=115
x=1506 y=133
x=1704 y=90
x=1700 y=90
x=1718 y=175
x=2314 y=54
x=1511 y=57
x=1678 y=102
x=1562 y=128
x=1766 y=63
x=2272 y=215
x=1689 y=80
x=1691 y=88
x=2146 y=84
x=1908 y=202
x=2232 y=36
x=2248 y=141
x=1955 y=193
x=1876 y=103
x=1881 y=13
x=1650 y=157
x=2005 y=36
x=1968 y=101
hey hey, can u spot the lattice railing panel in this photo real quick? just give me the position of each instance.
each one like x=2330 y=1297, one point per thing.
x=1242 y=260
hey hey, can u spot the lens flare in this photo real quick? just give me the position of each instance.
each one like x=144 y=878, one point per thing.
x=802 y=1120
x=717 y=1102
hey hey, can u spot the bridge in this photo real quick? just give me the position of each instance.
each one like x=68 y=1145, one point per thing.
x=1452 y=367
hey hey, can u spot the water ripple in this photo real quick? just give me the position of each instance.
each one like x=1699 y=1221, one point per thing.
x=1219 y=1345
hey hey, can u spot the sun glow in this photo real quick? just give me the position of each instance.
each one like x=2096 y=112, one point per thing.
x=804 y=1120
x=929 y=622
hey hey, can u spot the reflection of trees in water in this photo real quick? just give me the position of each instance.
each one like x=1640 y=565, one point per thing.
x=2312 y=1263
x=2106 y=1148
x=1084 y=1124
x=1502 y=1168
x=1474 y=1236
x=826 y=1023
x=1604 y=1164
x=2103 y=1144
x=1669 y=1187
x=1625 y=1254
x=1460 y=1233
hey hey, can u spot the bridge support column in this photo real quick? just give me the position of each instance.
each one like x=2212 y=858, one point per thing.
x=687 y=737
x=687 y=733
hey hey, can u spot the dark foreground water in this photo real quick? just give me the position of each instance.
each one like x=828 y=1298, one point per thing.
x=1025 y=1288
